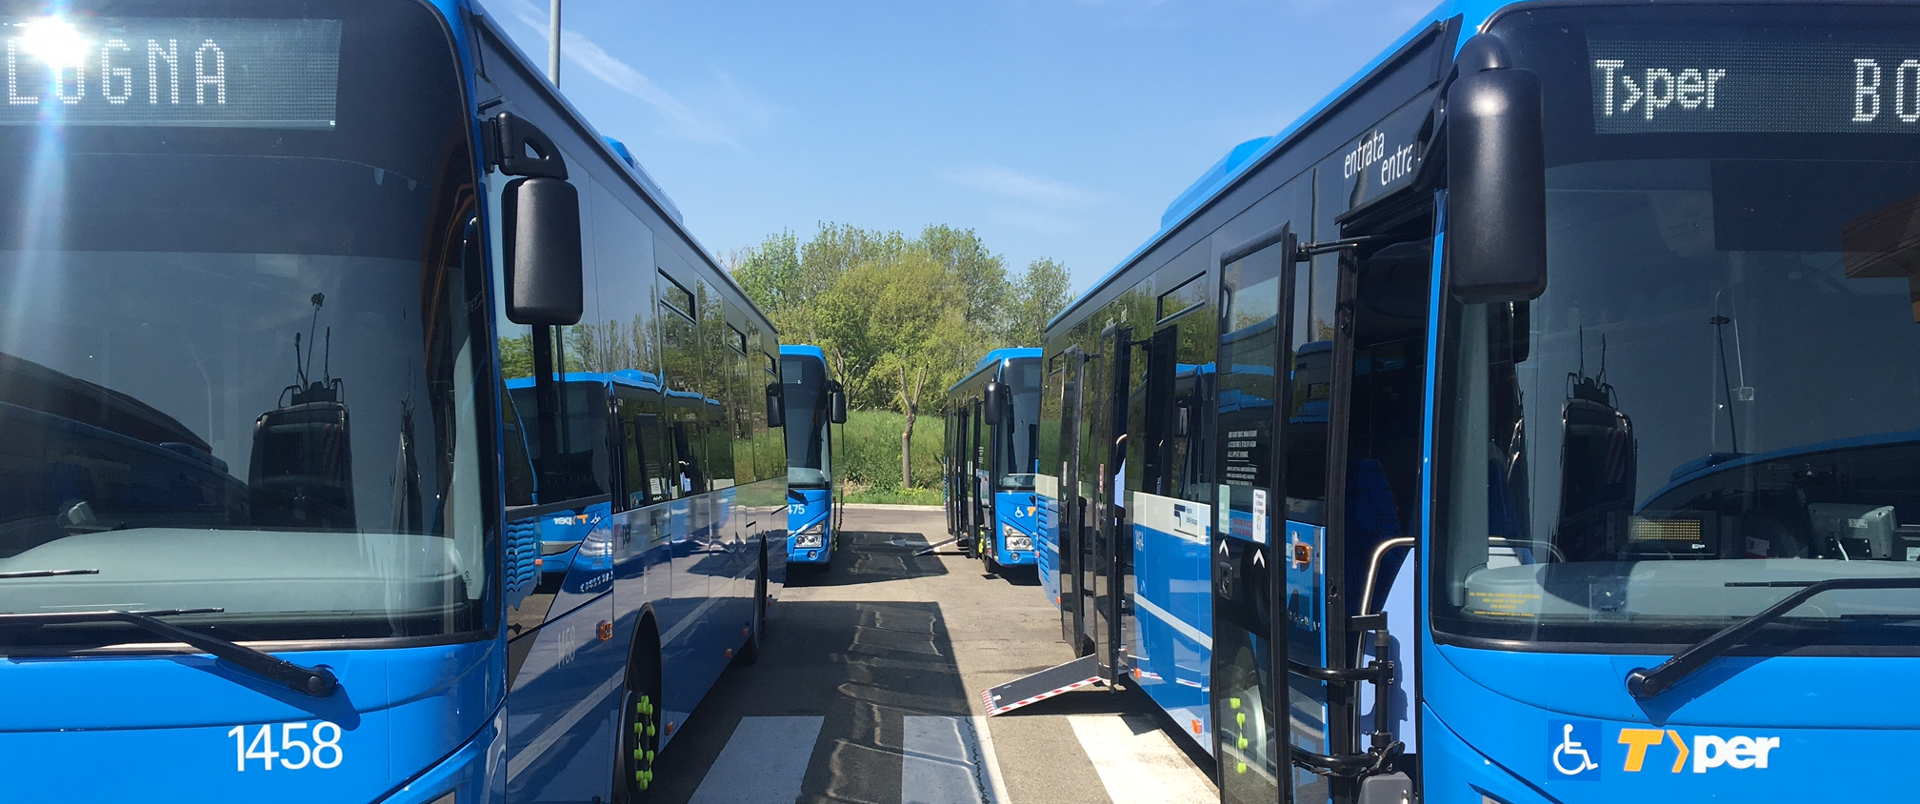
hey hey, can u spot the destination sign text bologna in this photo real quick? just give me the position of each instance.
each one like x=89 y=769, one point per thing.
x=234 y=73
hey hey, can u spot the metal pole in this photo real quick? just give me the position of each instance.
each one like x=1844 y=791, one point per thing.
x=553 y=42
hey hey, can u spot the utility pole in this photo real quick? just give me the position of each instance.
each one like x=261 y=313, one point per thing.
x=553 y=42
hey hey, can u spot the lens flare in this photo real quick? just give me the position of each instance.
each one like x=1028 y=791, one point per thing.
x=55 y=41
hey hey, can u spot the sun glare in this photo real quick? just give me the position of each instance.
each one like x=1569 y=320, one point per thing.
x=54 y=41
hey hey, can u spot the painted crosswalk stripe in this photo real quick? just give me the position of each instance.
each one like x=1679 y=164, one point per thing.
x=948 y=760
x=763 y=762
x=1138 y=762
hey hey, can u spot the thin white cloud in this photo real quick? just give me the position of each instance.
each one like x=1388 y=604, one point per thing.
x=676 y=120
x=1009 y=183
x=1034 y=220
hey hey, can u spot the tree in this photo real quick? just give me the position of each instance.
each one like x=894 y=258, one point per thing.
x=896 y=316
x=1038 y=295
x=915 y=322
x=770 y=273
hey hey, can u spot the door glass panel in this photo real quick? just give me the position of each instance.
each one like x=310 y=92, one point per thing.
x=1246 y=712
x=1303 y=549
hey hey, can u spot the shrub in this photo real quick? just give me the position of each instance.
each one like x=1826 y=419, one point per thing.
x=869 y=450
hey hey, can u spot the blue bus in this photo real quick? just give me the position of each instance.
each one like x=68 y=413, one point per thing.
x=562 y=531
x=992 y=449
x=1552 y=443
x=814 y=404
x=374 y=430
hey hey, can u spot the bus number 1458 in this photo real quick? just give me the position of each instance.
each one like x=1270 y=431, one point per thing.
x=324 y=752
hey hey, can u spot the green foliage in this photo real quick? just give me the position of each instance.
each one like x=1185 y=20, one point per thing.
x=1036 y=297
x=899 y=318
x=869 y=454
x=895 y=496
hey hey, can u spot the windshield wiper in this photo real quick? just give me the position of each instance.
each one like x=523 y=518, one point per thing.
x=1644 y=683
x=7 y=576
x=318 y=682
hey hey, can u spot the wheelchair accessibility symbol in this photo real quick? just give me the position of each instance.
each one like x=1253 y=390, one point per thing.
x=1576 y=749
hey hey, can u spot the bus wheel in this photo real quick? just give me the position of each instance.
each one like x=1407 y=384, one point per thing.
x=750 y=652
x=640 y=732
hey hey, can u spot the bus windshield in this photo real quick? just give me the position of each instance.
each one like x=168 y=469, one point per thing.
x=1020 y=433
x=1717 y=390
x=236 y=370
x=805 y=387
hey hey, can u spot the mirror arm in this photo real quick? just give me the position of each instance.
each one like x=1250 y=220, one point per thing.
x=1306 y=251
x=509 y=139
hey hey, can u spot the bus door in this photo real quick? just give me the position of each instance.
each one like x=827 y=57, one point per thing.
x=949 y=455
x=1071 y=523
x=977 y=521
x=1313 y=628
x=1101 y=586
x=959 y=468
x=1247 y=541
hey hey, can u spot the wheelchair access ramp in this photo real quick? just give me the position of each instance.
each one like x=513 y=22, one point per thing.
x=1040 y=686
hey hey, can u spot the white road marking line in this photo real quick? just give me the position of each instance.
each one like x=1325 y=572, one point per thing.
x=763 y=762
x=991 y=759
x=1138 y=763
x=948 y=760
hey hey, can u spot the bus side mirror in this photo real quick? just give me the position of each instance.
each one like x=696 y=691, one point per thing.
x=543 y=264
x=837 y=405
x=994 y=398
x=776 y=412
x=1496 y=229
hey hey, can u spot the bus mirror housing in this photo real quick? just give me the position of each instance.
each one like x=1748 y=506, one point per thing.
x=542 y=248
x=1496 y=229
x=837 y=404
x=993 y=398
x=776 y=412
x=540 y=226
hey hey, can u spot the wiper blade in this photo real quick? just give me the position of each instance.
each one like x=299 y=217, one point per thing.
x=318 y=682
x=7 y=576
x=1646 y=683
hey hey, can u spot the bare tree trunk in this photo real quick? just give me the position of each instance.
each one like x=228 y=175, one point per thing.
x=906 y=435
x=910 y=401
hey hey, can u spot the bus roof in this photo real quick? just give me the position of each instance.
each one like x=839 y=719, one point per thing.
x=803 y=350
x=994 y=358
x=1248 y=156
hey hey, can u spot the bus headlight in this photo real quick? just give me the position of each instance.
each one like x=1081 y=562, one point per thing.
x=813 y=535
x=1016 y=541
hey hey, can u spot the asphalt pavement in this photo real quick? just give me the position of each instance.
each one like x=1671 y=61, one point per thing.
x=868 y=690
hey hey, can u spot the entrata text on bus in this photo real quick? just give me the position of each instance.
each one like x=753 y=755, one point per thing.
x=1530 y=422
x=373 y=430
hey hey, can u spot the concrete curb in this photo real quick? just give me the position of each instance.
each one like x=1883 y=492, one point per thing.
x=891 y=507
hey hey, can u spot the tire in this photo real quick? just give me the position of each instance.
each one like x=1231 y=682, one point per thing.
x=633 y=766
x=750 y=651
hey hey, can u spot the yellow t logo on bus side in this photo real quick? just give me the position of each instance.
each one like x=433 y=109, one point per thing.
x=1638 y=741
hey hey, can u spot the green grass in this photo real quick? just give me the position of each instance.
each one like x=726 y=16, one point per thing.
x=892 y=496
x=869 y=457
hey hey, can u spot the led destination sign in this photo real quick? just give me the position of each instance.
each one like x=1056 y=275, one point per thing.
x=1703 y=85
x=233 y=73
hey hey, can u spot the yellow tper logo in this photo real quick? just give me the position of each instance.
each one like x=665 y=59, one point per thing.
x=1708 y=751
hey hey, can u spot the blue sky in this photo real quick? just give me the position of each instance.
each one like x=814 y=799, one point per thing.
x=1054 y=128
